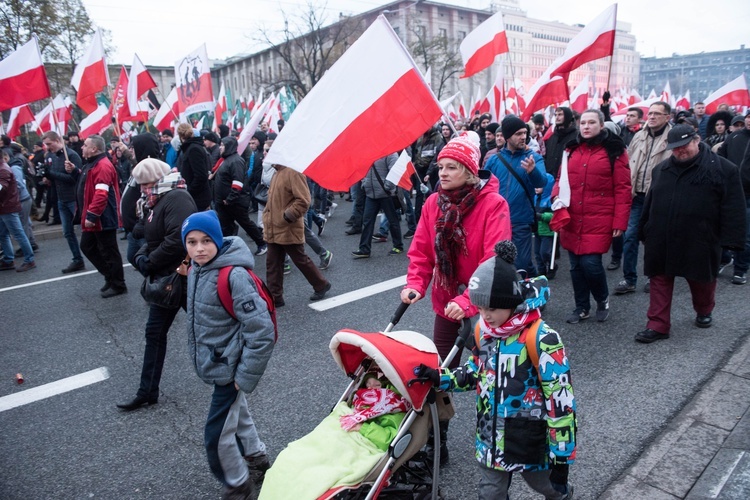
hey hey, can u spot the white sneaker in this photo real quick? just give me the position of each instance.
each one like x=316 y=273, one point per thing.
x=332 y=209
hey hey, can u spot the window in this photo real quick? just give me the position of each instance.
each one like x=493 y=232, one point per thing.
x=442 y=32
x=461 y=35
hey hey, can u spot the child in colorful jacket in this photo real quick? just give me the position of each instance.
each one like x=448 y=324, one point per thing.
x=526 y=419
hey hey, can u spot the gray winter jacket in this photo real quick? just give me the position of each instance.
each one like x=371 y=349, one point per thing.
x=224 y=350
x=370 y=183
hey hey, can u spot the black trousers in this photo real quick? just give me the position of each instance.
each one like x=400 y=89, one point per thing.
x=100 y=247
x=229 y=214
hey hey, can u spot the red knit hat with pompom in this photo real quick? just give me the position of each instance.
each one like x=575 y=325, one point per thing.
x=464 y=151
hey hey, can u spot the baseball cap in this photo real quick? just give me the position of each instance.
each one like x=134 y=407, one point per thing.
x=679 y=136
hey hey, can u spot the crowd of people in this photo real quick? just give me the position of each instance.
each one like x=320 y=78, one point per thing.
x=678 y=183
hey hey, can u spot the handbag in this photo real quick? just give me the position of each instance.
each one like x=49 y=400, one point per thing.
x=261 y=193
x=166 y=291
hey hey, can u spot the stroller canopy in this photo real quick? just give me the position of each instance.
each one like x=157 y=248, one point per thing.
x=396 y=354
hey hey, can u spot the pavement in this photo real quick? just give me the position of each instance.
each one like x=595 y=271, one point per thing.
x=702 y=451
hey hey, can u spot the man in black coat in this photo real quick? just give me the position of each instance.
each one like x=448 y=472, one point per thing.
x=694 y=208
x=194 y=167
x=565 y=131
x=232 y=203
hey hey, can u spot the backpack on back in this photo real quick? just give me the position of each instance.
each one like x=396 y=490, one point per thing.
x=225 y=295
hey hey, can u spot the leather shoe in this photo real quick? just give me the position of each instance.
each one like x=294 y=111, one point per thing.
x=136 y=403
x=353 y=230
x=74 y=267
x=648 y=335
x=703 y=320
x=113 y=291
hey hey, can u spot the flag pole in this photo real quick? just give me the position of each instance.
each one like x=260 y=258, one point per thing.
x=612 y=56
x=54 y=118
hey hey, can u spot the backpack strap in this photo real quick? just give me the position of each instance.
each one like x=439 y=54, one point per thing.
x=225 y=294
x=532 y=333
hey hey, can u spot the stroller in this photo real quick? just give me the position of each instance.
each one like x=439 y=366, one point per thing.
x=403 y=471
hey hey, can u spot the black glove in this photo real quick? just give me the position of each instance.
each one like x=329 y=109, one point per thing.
x=431 y=374
x=142 y=263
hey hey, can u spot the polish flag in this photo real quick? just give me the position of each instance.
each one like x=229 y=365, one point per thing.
x=22 y=77
x=193 y=77
x=545 y=91
x=54 y=116
x=446 y=103
x=90 y=75
x=168 y=112
x=634 y=97
x=139 y=82
x=684 y=101
x=579 y=97
x=258 y=103
x=734 y=93
x=250 y=105
x=462 y=108
x=120 y=108
x=97 y=122
x=273 y=114
x=593 y=42
x=401 y=172
x=252 y=126
x=382 y=105
x=428 y=76
x=19 y=116
x=652 y=95
x=515 y=102
x=643 y=105
x=221 y=107
x=496 y=96
x=666 y=94
x=43 y=121
x=479 y=48
x=63 y=108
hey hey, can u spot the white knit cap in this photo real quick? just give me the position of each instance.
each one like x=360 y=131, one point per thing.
x=150 y=170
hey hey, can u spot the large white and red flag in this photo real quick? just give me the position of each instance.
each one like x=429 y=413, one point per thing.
x=643 y=105
x=401 y=172
x=496 y=96
x=43 y=121
x=54 y=116
x=479 y=48
x=90 y=75
x=684 y=101
x=666 y=94
x=546 y=90
x=96 y=122
x=139 y=82
x=168 y=112
x=22 y=77
x=19 y=116
x=382 y=105
x=252 y=126
x=734 y=93
x=514 y=101
x=221 y=108
x=594 y=41
x=193 y=77
x=120 y=108
x=634 y=97
x=579 y=98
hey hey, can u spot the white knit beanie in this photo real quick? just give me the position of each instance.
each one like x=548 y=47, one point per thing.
x=150 y=170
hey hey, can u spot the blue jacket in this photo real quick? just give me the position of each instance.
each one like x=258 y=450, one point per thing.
x=521 y=210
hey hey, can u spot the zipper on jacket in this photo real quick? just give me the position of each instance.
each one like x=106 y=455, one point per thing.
x=494 y=402
x=192 y=320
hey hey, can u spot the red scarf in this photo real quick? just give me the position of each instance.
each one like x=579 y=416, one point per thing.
x=513 y=325
x=450 y=236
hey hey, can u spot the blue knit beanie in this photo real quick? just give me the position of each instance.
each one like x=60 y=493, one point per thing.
x=208 y=222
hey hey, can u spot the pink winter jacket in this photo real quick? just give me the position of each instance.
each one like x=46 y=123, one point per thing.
x=487 y=223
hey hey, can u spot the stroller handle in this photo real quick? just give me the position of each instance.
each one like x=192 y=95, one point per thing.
x=399 y=312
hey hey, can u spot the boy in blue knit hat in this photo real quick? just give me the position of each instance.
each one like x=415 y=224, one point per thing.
x=230 y=353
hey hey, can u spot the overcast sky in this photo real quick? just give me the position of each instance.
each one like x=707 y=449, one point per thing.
x=162 y=32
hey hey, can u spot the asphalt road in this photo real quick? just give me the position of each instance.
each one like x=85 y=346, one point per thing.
x=77 y=445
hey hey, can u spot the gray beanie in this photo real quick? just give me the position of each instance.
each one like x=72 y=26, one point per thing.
x=495 y=282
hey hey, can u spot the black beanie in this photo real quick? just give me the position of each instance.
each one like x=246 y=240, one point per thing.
x=511 y=125
x=495 y=282
x=492 y=127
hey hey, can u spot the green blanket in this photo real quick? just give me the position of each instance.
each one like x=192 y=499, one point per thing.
x=327 y=457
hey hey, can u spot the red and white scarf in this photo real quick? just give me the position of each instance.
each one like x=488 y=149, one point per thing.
x=371 y=403
x=513 y=325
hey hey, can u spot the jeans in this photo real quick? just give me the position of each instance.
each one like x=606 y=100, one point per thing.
x=543 y=253
x=134 y=244
x=742 y=259
x=229 y=434
x=312 y=239
x=358 y=207
x=157 y=326
x=411 y=220
x=589 y=278
x=26 y=219
x=10 y=224
x=372 y=206
x=67 y=210
x=522 y=238
x=630 y=241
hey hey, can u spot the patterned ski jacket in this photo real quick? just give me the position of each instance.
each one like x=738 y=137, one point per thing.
x=522 y=424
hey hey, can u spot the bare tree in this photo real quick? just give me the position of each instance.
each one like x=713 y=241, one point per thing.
x=21 y=18
x=439 y=53
x=308 y=46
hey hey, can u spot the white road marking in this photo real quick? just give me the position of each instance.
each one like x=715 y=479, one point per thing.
x=53 y=388
x=345 y=298
x=51 y=280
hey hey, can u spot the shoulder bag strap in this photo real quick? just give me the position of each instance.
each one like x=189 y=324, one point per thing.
x=518 y=178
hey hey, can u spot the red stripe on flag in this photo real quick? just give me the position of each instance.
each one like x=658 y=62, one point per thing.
x=94 y=79
x=25 y=87
x=602 y=47
x=405 y=181
x=739 y=97
x=408 y=101
x=485 y=55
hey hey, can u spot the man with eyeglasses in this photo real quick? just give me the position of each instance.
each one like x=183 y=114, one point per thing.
x=647 y=149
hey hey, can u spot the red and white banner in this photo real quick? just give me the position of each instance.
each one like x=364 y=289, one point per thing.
x=514 y=102
x=90 y=75
x=22 y=77
x=221 y=108
x=546 y=91
x=193 y=77
x=643 y=105
x=139 y=82
x=401 y=172
x=593 y=42
x=579 y=98
x=120 y=108
x=252 y=126
x=97 y=122
x=666 y=94
x=19 y=116
x=684 y=101
x=496 y=96
x=168 y=112
x=382 y=105
x=733 y=93
x=483 y=44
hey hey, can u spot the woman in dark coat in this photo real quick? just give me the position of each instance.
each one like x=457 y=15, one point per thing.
x=164 y=207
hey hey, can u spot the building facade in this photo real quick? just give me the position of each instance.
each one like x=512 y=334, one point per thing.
x=700 y=73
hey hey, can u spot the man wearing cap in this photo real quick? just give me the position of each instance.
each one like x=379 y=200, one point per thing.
x=519 y=170
x=694 y=208
x=736 y=148
x=647 y=149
